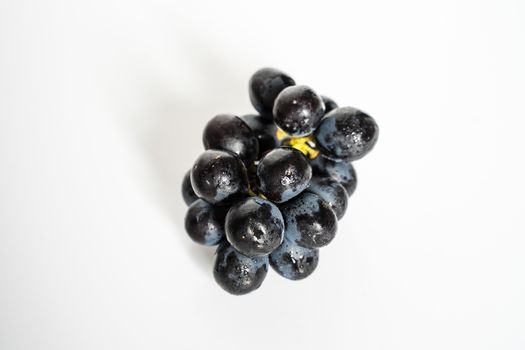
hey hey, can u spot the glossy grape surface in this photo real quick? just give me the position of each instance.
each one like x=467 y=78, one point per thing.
x=264 y=130
x=329 y=104
x=293 y=261
x=310 y=221
x=231 y=133
x=264 y=86
x=346 y=134
x=219 y=177
x=187 y=191
x=298 y=110
x=254 y=226
x=343 y=172
x=283 y=173
x=204 y=223
x=236 y=273
x=332 y=192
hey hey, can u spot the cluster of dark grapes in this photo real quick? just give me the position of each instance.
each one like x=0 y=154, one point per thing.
x=270 y=187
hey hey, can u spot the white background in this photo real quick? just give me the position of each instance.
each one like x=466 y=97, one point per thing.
x=102 y=105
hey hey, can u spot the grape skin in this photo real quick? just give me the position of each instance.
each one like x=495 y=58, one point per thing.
x=264 y=130
x=343 y=172
x=204 y=223
x=282 y=174
x=332 y=192
x=219 y=177
x=236 y=273
x=264 y=86
x=293 y=261
x=298 y=110
x=254 y=226
x=187 y=191
x=329 y=104
x=310 y=221
x=230 y=133
x=346 y=134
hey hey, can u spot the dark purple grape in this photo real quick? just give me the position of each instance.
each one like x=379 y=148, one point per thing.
x=187 y=192
x=254 y=226
x=230 y=133
x=329 y=104
x=293 y=261
x=264 y=86
x=309 y=221
x=205 y=223
x=219 y=177
x=282 y=174
x=264 y=130
x=343 y=172
x=298 y=110
x=236 y=273
x=346 y=134
x=332 y=192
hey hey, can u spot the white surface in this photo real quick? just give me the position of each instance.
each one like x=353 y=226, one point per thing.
x=101 y=111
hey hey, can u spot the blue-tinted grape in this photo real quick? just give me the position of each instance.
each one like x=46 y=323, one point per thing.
x=236 y=273
x=231 y=133
x=219 y=177
x=346 y=134
x=264 y=130
x=264 y=86
x=283 y=173
x=293 y=261
x=187 y=191
x=343 y=172
x=205 y=223
x=309 y=221
x=254 y=226
x=332 y=192
x=329 y=104
x=298 y=110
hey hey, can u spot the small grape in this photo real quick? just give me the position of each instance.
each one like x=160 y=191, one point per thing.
x=343 y=172
x=187 y=191
x=264 y=130
x=219 y=177
x=329 y=104
x=298 y=110
x=254 y=226
x=230 y=133
x=205 y=223
x=236 y=273
x=282 y=174
x=310 y=221
x=264 y=86
x=346 y=134
x=293 y=261
x=332 y=192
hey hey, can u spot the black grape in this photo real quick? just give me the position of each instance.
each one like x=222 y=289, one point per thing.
x=254 y=226
x=283 y=173
x=236 y=273
x=219 y=177
x=343 y=172
x=293 y=261
x=329 y=104
x=346 y=134
x=310 y=221
x=231 y=133
x=187 y=191
x=332 y=192
x=205 y=223
x=264 y=86
x=264 y=130
x=298 y=110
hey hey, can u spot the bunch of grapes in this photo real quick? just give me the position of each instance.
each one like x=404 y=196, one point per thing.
x=270 y=187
